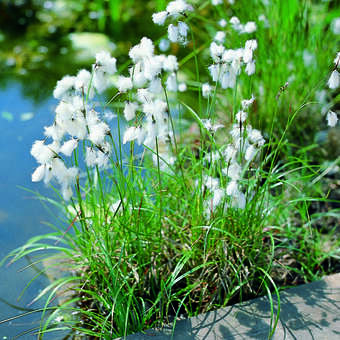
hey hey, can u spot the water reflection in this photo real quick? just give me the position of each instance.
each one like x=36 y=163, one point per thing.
x=39 y=39
x=21 y=215
x=38 y=47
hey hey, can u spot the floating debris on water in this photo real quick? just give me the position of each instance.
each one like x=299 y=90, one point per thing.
x=7 y=115
x=26 y=116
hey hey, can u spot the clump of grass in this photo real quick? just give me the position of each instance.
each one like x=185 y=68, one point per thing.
x=165 y=221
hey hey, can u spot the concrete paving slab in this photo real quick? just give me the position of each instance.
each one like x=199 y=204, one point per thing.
x=310 y=311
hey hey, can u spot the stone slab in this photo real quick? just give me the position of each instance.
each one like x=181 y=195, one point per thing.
x=310 y=311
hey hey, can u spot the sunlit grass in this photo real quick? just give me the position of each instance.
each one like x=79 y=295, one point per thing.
x=148 y=240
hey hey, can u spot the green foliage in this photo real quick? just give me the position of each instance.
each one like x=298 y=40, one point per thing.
x=142 y=240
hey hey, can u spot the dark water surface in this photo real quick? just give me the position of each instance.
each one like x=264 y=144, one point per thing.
x=21 y=214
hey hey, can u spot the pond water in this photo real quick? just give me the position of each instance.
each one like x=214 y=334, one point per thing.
x=34 y=55
x=21 y=214
x=27 y=78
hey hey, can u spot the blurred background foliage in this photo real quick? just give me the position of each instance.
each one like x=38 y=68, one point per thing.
x=42 y=40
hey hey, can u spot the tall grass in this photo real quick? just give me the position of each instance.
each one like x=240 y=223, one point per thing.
x=207 y=212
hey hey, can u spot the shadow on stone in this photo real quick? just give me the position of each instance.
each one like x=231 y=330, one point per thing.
x=310 y=311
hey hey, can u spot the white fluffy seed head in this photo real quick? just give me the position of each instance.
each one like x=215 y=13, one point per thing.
x=212 y=203
x=216 y=2
x=124 y=84
x=220 y=37
x=228 y=79
x=229 y=154
x=58 y=169
x=255 y=137
x=164 y=45
x=177 y=7
x=43 y=153
x=251 y=44
x=171 y=82
x=65 y=176
x=105 y=63
x=334 y=80
x=250 y=152
x=211 y=183
x=82 y=83
x=249 y=27
x=332 y=118
x=207 y=123
x=247 y=102
x=182 y=87
x=241 y=116
x=155 y=86
x=144 y=96
x=206 y=90
x=153 y=66
x=170 y=63
x=216 y=51
x=102 y=160
x=214 y=71
x=183 y=29
x=248 y=55
x=233 y=171
x=90 y=157
x=141 y=51
x=173 y=34
x=130 y=110
x=98 y=133
x=232 y=188
x=54 y=131
x=137 y=75
x=100 y=81
x=66 y=192
x=222 y=23
x=39 y=173
x=68 y=147
x=160 y=17
x=234 y=21
x=64 y=87
x=156 y=108
x=92 y=118
x=240 y=200
x=335 y=26
x=250 y=68
x=130 y=134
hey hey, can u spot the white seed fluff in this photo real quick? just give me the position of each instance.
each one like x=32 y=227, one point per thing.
x=68 y=147
x=105 y=63
x=334 y=80
x=249 y=27
x=64 y=86
x=206 y=90
x=130 y=110
x=130 y=134
x=173 y=33
x=160 y=17
x=332 y=118
x=39 y=173
x=124 y=84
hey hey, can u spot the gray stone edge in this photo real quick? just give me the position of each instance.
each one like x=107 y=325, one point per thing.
x=309 y=311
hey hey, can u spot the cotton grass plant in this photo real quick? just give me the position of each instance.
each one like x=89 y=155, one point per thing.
x=165 y=219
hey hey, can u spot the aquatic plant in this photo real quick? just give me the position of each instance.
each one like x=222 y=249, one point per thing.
x=175 y=210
